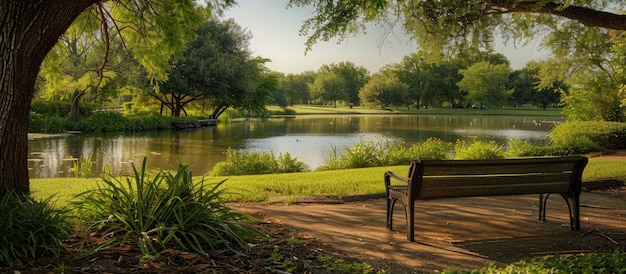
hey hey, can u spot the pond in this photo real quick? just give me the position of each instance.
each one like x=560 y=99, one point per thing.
x=308 y=138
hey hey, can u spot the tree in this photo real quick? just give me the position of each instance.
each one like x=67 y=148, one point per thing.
x=525 y=86
x=430 y=82
x=74 y=65
x=451 y=25
x=328 y=86
x=486 y=83
x=587 y=60
x=354 y=77
x=416 y=72
x=217 y=67
x=384 y=89
x=296 y=87
x=31 y=28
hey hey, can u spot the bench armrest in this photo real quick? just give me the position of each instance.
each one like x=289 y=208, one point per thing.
x=390 y=174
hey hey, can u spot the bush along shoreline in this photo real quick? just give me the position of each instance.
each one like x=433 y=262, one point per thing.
x=571 y=138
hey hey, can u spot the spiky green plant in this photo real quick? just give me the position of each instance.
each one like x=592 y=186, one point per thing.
x=478 y=150
x=30 y=228
x=167 y=209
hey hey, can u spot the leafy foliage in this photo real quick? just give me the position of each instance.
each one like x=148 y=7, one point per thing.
x=328 y=87
x=38 y=123
x=590 y=136
x=168 y=209
x=383 y=152
x=354 y=77
x=30 y=228
x=431 y=149
x=384 y=90
x=478 y=150
x=104 y=121
x=217 y=67
x=589 y=263
x=486 y=83
x=246 y=163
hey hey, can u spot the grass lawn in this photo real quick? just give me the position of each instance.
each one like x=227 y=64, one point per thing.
x=256 y=188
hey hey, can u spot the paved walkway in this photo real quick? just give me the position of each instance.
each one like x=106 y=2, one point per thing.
x=463 y=233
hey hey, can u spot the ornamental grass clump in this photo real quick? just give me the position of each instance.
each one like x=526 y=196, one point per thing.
x=431 y=149
x=478 y=150
x=169 y=209
x=30 y=228
x=249 y=163
x=366 y=153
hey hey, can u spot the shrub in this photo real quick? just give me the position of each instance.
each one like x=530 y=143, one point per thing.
x=287 y=164
x=248 y=163
x=478 y=150
x=148 y=121
x=104 y=121
x=169 y=209
x=383 y=152
x=526 y=149
x=362 y=154
x=30 y=228
x=40 y=123
x=431 y=149
x=587 y=136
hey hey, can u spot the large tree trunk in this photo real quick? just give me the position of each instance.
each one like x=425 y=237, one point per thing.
x=28 y=30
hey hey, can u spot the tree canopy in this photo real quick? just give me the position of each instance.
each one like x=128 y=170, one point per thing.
x=219 y=68
x=486 y=83
x=450 y=25
x=153 y=32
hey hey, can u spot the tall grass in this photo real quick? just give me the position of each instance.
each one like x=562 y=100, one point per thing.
x=478 y=150
x=384 y=152
x=246 y=162
x=82 y=167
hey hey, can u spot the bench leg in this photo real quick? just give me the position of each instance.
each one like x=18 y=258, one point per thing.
x=390 y=204
x=542 y=206
x=574 y=210
x=410 y=222
x=573 y=206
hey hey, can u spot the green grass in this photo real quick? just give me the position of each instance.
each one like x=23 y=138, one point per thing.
x=255 y=188
x=311 y=109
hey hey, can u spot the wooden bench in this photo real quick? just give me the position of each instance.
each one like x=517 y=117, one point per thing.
x=432 y=179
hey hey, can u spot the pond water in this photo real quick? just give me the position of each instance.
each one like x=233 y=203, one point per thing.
x=308 y=138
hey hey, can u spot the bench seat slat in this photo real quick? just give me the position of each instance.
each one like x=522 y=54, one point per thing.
x=489 y=181
x=495 y=190
x=432 y=169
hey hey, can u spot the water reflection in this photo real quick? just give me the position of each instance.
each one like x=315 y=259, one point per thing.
x=309 y=138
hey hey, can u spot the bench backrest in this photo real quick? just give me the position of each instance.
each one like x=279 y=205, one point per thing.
x=465 y=178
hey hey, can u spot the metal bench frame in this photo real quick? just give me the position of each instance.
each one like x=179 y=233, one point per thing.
x=433 y=179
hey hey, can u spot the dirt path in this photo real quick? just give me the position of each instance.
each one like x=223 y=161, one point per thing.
x=462 y=233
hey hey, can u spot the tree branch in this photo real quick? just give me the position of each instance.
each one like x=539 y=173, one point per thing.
x=586 y=16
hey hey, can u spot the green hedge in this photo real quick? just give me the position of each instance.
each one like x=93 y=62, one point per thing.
x=590 y=135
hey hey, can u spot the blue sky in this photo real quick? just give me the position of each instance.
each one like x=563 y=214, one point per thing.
x=275 y=31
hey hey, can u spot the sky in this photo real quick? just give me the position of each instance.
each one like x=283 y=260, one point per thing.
x=276 y=36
